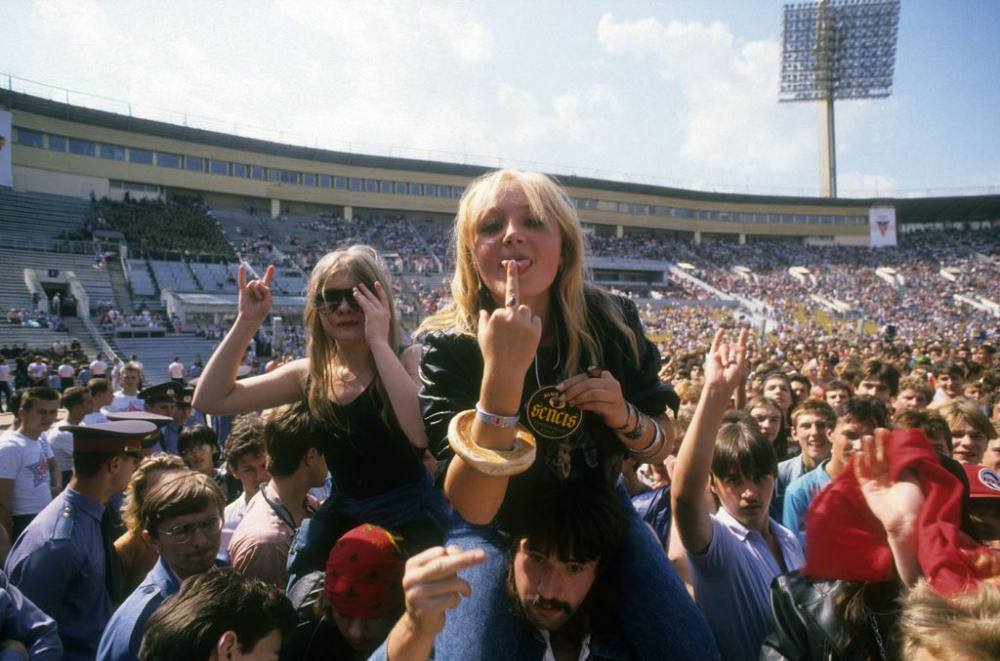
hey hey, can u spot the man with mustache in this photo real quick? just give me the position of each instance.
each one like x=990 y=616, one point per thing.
x=558 y=579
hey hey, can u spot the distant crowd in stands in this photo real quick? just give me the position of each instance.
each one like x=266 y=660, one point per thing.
x=179 y=225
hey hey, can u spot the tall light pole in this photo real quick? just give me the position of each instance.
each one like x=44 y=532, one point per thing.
x=837 y=50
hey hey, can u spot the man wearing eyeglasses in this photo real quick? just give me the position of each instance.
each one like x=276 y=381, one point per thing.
x=64 y=561
x=182 y=519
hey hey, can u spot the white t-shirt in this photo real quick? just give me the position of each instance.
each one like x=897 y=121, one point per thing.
x=61 y=443
x=175 y=370
x=66 y=371
x=98 y=368
x=94 y=418
x=123 y=402
x=25 y=461
x=5 y=373
x=37 y=370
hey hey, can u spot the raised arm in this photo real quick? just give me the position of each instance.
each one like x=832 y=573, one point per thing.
x=508 y=338
x=724 y=368
x=218 y=392
x=401 y=384
x=895 y=504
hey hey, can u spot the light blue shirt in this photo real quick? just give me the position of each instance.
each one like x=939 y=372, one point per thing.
x=799 y=495
x=732 y=582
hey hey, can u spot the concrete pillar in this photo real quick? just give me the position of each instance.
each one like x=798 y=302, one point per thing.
x=697 y=237
x=348 y=212
x=743 y=238
x=275 y=208
x=619 y=231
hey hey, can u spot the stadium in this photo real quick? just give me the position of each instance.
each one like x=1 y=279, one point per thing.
x=299 y=402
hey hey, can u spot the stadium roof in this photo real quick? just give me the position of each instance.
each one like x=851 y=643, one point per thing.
x=908 y=210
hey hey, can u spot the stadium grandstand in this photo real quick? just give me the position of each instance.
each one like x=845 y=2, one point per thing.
x=124 y=235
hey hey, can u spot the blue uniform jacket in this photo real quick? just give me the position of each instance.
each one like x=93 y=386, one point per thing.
x=123 y=636
x=58 y=563
x=22 y=621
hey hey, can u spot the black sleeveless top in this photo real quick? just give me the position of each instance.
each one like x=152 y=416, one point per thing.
x=365 y=456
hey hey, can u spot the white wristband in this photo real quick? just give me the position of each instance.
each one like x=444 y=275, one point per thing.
x=494 y=420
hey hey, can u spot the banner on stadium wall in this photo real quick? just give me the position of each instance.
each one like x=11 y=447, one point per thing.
x=6 y=144
x=882 y=226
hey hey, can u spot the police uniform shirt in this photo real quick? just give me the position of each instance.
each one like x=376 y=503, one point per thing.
x=23 y=621
x=123 y=636
x=58 y=563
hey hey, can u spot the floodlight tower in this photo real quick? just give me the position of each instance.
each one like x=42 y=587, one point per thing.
x=844 y=49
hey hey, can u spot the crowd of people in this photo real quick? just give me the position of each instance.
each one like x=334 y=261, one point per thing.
x=182 y=226
x=542 y=469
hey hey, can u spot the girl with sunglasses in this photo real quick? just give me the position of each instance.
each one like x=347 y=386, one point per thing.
x=360 y=385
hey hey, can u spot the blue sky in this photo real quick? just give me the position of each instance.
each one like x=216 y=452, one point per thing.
x=668 y=92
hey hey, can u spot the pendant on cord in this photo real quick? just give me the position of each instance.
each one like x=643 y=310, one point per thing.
x=551 y=418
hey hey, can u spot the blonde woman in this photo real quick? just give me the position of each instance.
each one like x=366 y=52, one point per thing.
x=358 y=381
x=529 y=349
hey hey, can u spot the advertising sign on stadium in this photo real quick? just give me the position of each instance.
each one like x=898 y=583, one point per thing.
x=6 y=143
x=882 y=226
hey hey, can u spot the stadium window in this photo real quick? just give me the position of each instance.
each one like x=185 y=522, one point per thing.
x=288 y=176
x=444 y=191
x=683 y=213
x=340 y=182
x=354 y=184
x=774 y=218
x=414 y=189
x=745 y=217
x=385 y=187
x=195 y=163
x=82 y=147
x=725 y=215
x=240 y=170
x=168 y=160
x=273 y=174
x=257 y=172
x=827 y=220
x=113 y=152
x=114 y=183
x=218 y=167
x=371 y=186
x=29 y=138
x=713 y=215
x=57 y=143
x=786 y=218
x=308 y=179
x=429 y=190
x=140 y=156
x=456 y=191
x=399 y=187
x=325 y=181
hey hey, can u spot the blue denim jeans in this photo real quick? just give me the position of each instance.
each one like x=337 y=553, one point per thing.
x=656 y=616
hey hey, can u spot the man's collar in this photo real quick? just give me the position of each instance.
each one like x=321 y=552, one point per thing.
x=737 y=528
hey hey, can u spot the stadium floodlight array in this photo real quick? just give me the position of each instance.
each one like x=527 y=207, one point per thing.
x=838 y=50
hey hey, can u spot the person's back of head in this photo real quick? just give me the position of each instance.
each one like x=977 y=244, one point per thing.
x=74 y=396
x=934 y=427
x=98 y=386
x=245 y=438
x=864 y=409
x=960 y=627
x=289 y=433
x=216 y=614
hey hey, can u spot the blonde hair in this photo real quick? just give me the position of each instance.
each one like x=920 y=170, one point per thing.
x=161 y=461
x=963 y=626
x=570 y=293
x=365 y=265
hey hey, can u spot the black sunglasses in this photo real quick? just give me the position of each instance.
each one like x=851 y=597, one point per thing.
x=331 y=299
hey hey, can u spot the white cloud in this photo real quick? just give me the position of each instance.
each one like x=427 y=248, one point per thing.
x=731 y=116
x=859 y=184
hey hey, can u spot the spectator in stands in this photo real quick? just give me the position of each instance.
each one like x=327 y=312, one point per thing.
x=5 y=383
x=98 y=368
x=776 y=386
x=137 y=557
x=261 y=542
x=878 y=379
x=102 y=394
x=25 y=482
x=812 y=424
x=79 y=403
x=520 y=279
x=181 y=518
x=970 y=429
x=914 y=393
x=857 y=418
x=219 y=614
x=38 y=371
x=246 y=461
x=175 y=370
x=736 y=552
x=950 y=379
x=934 y=427
x=767 y=414
x=64 y=560
x=357 y=380
x=127 y=398
x=66 y=373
